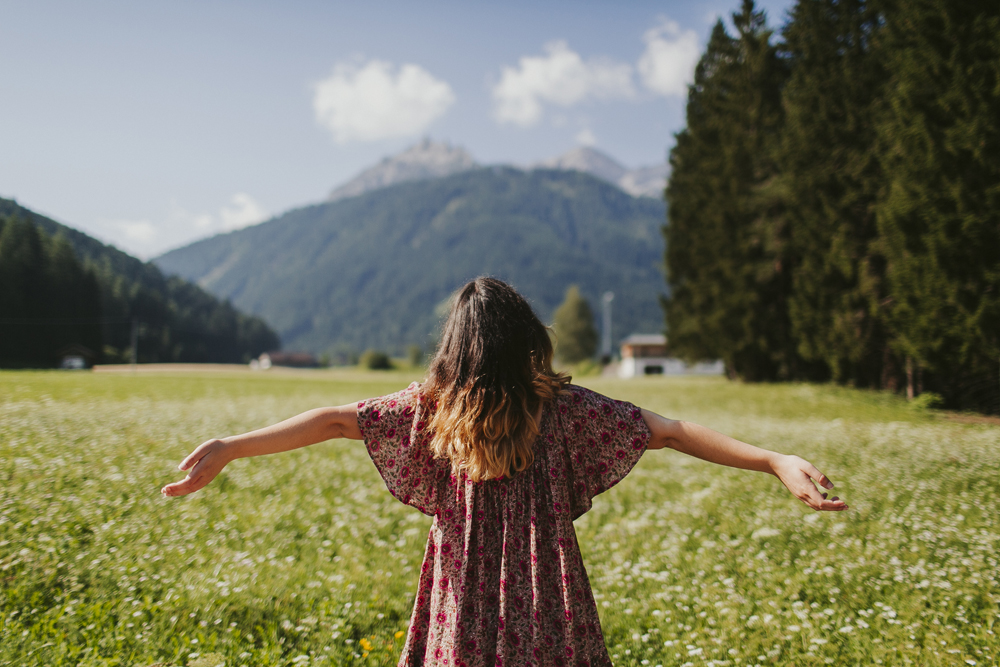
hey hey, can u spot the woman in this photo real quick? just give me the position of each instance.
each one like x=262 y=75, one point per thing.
x=504 y=453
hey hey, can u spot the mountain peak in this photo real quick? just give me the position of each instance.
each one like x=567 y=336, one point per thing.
x=427 y=159
x=641 y=182
x=588 y=160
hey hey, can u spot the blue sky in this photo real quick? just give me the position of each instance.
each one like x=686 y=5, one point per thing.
x=149 y=125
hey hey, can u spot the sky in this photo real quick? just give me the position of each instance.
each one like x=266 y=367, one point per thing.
x=152 y=124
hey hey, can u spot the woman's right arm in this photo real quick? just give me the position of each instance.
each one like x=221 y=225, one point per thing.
x=308 y=428
x=795 y=473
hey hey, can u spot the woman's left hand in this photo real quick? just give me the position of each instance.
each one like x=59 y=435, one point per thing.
x=798 y=475
x=203 y=464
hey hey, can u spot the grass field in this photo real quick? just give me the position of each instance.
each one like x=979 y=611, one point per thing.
x=305 y=559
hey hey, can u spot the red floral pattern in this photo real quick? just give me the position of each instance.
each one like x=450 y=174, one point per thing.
x=503 y=583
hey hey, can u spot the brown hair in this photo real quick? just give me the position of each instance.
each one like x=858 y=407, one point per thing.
x=492 y=371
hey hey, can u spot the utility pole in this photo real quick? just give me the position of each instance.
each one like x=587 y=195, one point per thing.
x=606 y=300
x=135 y=343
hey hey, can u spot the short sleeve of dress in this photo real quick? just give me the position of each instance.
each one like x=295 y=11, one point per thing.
x=605 y=440
x=395 y=438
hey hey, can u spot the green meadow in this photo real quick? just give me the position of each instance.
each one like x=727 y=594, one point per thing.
x=305 y=559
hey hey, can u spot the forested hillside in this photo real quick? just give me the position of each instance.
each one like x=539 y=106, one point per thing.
x=48 y=300
x=835 y=199
x=62 y=287
x=370 y=271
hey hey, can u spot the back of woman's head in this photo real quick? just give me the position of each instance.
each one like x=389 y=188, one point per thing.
x=492 y=371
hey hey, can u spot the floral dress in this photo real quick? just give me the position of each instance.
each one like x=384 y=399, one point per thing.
x=502 y=581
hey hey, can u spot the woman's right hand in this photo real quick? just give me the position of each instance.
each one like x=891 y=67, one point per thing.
x=798 y=475
x=203 y=464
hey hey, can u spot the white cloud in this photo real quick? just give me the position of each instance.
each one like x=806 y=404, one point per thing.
x=377 y=101
x=138 y=232
x=145 y=238
x=243 y=212
x=667 y=65
x=138 y=236
x=586 y=138
x=203 y=221
x=560 y=77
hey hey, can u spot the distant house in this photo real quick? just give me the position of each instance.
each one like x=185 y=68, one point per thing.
x=647 y=354
x=289 y=359
x=643 y=354
x=75 y=357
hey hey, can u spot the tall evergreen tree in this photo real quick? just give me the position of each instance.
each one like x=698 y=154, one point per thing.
x=576 y=337
x=727 y=276
x=48 y=300
x=830 y=180
x=940 y=217
x=73 y=298
x=21 y=292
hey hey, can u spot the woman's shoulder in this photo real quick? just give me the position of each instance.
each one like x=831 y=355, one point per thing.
x=402 y=400
x=580 y=402
x=575 y=395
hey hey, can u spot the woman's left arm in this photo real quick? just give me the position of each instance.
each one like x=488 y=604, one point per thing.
x=308 y=428
x=795 y=473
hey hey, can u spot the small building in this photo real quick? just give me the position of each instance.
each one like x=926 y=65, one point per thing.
x=288 y=359
x=647 y=354
x=643 y=354
x=75 y=357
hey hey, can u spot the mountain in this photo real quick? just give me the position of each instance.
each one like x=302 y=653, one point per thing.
x=428 y=159
x=642 y=182
x=373 y=271
x=431 y=159
x=589 y=161
x=180 y=322
x=646 y=181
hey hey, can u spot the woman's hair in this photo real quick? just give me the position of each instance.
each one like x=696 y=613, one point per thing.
x=492 y=371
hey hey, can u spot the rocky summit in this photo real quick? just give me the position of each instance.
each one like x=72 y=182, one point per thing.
x=428 y=159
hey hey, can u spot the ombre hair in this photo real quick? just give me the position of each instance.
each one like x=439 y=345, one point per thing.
x=491 y=374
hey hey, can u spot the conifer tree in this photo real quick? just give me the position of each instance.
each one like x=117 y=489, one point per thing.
x=728 y=281
x=576 y=337
x=48 y=300
x=940 y=217
x=72 y=299
x=22 y=293
x=831 y=177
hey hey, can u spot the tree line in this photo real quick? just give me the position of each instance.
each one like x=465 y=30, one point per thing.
x=834 y=201
x=52 y=302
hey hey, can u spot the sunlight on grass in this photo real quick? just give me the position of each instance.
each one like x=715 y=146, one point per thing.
x=304 y=558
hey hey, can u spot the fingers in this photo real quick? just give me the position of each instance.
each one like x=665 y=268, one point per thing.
x=183 y=487
x=197 y=454
x=806 y=491
x=192 y=458
x=195 y=481
x=798 y=476
x=810 y=496
x=820 y=478
x=199 y=465
x=820 y=503
x=832 y=505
